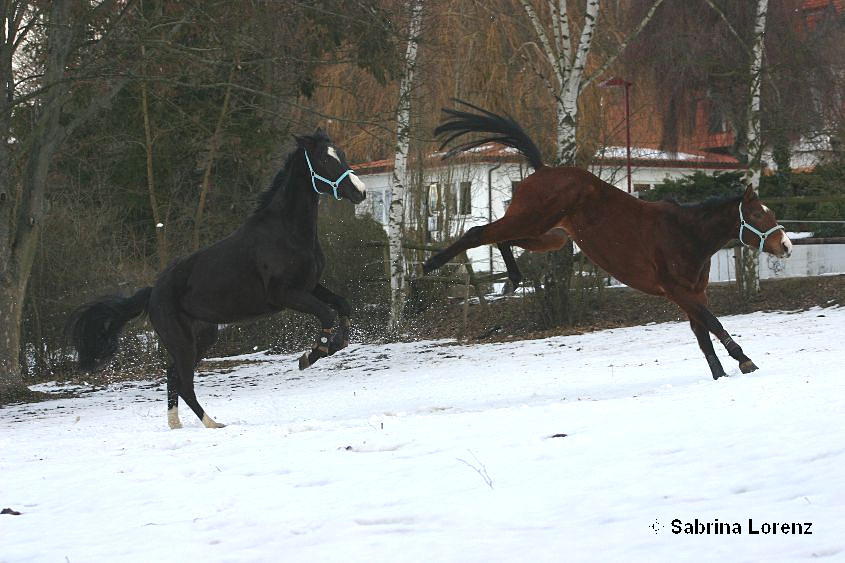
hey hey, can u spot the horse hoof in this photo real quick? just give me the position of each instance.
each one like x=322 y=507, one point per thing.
x=718 y=375
x=209 y=422
x=337 y=343
x=303 y=361
x=747 y=367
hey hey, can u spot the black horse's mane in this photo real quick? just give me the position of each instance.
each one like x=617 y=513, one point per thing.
x=282 y=178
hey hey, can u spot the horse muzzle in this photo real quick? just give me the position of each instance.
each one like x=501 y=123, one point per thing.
x=359 y=194
x=785 y=248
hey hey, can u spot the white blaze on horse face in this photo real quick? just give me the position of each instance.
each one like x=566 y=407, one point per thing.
x=787 y=245
x=359 y=185
x=333 y=154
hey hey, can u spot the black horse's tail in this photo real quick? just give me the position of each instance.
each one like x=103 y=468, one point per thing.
x=93 y=327
x=506 y=131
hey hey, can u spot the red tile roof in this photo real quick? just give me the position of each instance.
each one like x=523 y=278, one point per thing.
x=640 y=157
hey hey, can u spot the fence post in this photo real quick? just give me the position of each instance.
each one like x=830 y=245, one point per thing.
x=467 y=269
x=476 y=284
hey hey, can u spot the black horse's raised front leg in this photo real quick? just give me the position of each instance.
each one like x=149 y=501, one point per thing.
x=340 y=339
x=305 y=302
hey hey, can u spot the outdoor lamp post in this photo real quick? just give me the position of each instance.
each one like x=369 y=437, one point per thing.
x=616 y=81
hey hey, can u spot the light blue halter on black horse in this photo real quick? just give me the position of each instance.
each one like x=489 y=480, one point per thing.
x=271 y=262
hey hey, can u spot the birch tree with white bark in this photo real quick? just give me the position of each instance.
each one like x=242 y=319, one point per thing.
x=749 y=275
x=562 y=59
x=399 y=181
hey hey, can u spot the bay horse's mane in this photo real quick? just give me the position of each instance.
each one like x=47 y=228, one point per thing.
x=282 y=178
x=506 y=132
x=708 y=203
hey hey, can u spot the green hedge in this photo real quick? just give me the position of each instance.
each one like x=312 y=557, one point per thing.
x=817 y=195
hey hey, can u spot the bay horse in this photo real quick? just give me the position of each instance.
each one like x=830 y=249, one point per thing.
x=659 y=248
x=273 y=261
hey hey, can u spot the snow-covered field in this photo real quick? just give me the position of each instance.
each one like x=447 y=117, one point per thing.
x=431 y=451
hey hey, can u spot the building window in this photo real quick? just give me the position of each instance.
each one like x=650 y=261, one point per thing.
x=465 y=199
x=433 y=199
x=377 y=198
x=451 y=200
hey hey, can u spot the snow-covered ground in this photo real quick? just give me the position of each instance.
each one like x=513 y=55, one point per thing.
x=431 y=451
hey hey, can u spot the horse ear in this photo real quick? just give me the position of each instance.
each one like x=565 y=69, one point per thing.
x=750 y=194
x=319 y=133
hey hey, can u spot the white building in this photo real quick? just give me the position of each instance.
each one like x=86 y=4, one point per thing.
x=476 y=187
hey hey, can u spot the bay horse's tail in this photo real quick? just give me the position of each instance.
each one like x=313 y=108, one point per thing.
x=506 y=132
x=93 y=327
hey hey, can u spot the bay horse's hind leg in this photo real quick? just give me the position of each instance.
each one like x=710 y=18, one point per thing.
x=554 y=239
x=340 y=339
x=510 y=263
x=470 y=239
x=507 y=229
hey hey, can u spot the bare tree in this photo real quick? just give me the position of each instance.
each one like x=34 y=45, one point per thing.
x=561 y=61
x=396 y=216
x=42 y=88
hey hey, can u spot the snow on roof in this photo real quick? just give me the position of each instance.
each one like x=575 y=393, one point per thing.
x=643 y=156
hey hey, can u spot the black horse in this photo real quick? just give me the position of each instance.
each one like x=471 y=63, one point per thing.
x=272 y=262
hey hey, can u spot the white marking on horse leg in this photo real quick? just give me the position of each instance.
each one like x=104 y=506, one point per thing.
x=358 y=183
x=173 y=418
x=333 y=154
x=209 y=422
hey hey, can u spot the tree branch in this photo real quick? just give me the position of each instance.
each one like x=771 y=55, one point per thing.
x=624 y=45
x=551 y=55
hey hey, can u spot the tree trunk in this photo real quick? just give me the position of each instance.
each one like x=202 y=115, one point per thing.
x=748 y=277
x=161 y=233
x=213 y=147
x=22 y=210
x=396 y=217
